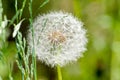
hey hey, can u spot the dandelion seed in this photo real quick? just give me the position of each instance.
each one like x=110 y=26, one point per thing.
x=59 y=38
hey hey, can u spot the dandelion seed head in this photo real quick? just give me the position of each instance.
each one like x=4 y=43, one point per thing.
x=59 y=38
x=56 y=37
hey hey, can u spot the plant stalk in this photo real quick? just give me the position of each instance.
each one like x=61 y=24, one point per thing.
x=59 y=74
x=33 y=42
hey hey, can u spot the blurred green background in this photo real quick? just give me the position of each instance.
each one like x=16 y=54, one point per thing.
x=101 y=19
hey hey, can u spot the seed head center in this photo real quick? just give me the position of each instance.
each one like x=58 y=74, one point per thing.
x=57 y=37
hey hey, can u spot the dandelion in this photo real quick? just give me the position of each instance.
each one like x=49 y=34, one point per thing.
x=59 y=38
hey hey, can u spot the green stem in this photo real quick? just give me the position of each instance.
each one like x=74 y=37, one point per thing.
x=21 y=10
x=33 y=42
x=34 y=66
x=59 y=74
x=10 y=70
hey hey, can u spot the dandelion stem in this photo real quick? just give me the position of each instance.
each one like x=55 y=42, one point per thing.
x=59 y=74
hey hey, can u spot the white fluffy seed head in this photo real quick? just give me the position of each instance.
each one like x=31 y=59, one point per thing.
x=59 y=38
